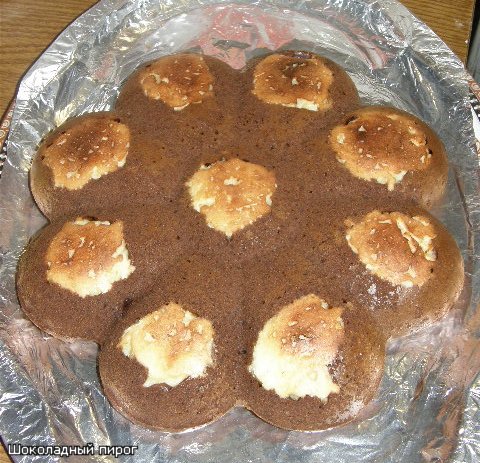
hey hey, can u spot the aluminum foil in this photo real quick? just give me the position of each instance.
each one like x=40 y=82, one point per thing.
x=427 y=408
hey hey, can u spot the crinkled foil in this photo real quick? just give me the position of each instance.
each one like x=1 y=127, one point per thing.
x=427 y=407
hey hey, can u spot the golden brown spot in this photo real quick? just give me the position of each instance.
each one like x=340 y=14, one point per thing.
x=317 y=331
x=301 y=82
x=178 y=80
x=232 y=194
x=400 y=250
x=85 y=152
x=295 y=348
x=381 y=145
x=87 y=257
x=171 y=343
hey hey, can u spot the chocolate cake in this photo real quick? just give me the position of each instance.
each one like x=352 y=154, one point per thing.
x=240 y=238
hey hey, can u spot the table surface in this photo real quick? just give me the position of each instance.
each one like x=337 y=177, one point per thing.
x=28 y=26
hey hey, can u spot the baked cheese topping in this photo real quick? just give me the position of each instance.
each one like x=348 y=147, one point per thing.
x=171 y=343
x=232 y=194
x=381 y=144
x=87 y=257
x=86 y=151
x=177 y=80
x=297 y=81
x=394 y=246
x=295 y=348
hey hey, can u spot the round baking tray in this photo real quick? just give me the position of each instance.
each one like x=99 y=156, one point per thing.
x=426 y=408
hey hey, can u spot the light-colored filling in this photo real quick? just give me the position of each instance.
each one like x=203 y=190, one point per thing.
x=303 y=104
x=380 y=146
x=178 y=80
x=171 y=343
x=293 y=82
x=86 y=152
x=394 y=246
x=88 y=257
x=231 y=194
x=295 y=348
x=288 y=376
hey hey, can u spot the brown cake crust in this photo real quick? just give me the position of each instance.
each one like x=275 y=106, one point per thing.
x=170 y=144
x=152 y=246
x=210 y=290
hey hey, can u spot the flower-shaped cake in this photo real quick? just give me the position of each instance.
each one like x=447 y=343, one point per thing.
x=240 y=238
